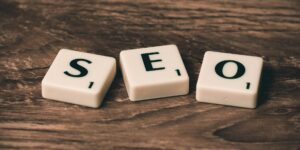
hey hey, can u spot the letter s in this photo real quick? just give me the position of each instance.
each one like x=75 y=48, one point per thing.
x=83 y=71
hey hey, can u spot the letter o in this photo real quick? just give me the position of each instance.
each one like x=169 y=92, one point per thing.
x=240 y=69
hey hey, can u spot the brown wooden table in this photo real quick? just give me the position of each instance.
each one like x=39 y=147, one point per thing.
x=32 y=32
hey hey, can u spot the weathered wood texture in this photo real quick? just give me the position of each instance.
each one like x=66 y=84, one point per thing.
x=32 y=32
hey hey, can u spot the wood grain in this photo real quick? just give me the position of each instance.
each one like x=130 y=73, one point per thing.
x=32 y=32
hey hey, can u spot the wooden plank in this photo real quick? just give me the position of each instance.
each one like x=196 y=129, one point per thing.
x=32 y=32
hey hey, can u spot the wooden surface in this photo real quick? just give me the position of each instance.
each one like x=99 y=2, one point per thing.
x=32 y=32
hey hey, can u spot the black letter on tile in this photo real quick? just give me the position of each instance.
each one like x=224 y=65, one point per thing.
x=82 y=70
x=91 y=84
x=240 y=70
x=148 y=62
x=178 y=72
x=248 y=85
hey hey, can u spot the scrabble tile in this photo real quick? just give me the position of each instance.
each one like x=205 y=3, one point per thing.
x=154 y=72
x=229 y=79
x=79 y=78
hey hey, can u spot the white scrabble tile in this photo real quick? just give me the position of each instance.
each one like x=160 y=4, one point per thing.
x=229 y=79
x=79 y=78
x=154 y=72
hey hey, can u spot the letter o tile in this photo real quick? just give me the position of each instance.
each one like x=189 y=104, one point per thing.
x=229 y=79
